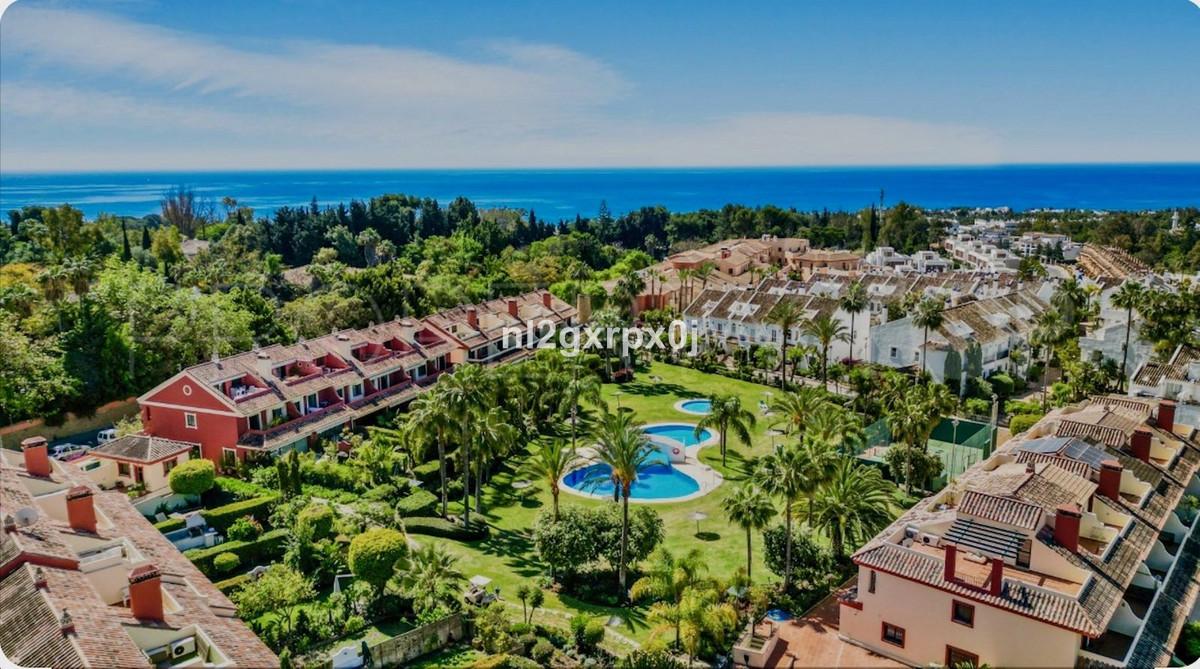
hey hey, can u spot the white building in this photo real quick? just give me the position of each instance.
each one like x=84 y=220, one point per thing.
x=980 y=254
x=1043 y=243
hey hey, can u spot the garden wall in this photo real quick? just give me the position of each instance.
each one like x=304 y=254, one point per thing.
x=403 y=648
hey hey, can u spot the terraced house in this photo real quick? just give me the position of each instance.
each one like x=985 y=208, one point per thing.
x=278 y=398
x=87 y=581
x=1068 y=547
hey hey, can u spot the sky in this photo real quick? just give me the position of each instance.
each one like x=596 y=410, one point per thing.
x=228 y=84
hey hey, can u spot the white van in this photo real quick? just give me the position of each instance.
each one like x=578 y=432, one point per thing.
x=68 y=451
x=105 y=436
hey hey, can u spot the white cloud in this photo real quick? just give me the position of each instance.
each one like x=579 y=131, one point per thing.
x=141 y=96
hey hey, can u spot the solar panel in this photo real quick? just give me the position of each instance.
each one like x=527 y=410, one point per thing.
x=1078 y=449
x=987 y=539
x=1049 y=445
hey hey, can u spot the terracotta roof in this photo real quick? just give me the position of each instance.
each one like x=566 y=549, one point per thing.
x=1176 y=369
x=143 y=448
x=1001 y=510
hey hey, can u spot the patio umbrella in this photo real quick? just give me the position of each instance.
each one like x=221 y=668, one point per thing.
x=698 y=516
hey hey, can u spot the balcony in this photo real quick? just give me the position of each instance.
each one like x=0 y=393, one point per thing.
x=378 y=397
x=297 y=427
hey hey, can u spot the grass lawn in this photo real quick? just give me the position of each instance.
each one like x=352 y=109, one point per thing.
x=459 y=657
x=507 y=556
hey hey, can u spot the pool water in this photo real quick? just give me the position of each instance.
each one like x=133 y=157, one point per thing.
x=655 y=480
x=779 y=615
x=680 y=432
x=701 y=406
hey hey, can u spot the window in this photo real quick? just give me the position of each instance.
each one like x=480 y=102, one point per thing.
x=168 y=465
x=255 y=423
x=894 y=352
x=956 y=657
x=893 y=635
x=122 y=469
x=963 y=613
x=189 y=420
x=871 y=583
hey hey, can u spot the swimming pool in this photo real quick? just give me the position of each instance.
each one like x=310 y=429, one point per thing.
x=699 y=407
x=684 y=433
x=656 y=480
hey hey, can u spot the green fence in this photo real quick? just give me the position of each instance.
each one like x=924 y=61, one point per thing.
x=959 y=446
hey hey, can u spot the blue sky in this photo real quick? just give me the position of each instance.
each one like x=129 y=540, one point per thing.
x=307 y=83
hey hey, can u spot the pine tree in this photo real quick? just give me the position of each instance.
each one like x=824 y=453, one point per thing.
x=126 y=252
x=145 y=237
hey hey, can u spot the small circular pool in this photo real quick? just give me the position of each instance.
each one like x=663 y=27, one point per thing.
x=684 y=433
x=699 y=407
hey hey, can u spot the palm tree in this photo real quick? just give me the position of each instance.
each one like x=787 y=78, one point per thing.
x=853 y=303
x=684 y=276
x=727 y=415
x=703 y=272
x=550 y=462
x=825 y=329
x=430 y=577
x=1049 y=331
x=853 y=505
x=795 y=408
x=1070 y=300
x=786 y=315
x=668 y=578
x=750 y=508
x=928 y=315
x=464 y=391
x=1128 y=297
x=783 y=474
x=703 y=617
x=581 y=385
x=496 y=438
x=623 y=446
x=433 y=419
x=912 y=417
x=840 y=428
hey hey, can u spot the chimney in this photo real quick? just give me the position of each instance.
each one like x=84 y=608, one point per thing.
x=950 y=562
x=472 y=317
x=66 y=623
x=37 y=459
x=1166 y=415
x=512 y=307
x=583 y=305
x=1110 y=479
x=546 y=300
x=10 y=523
x=725 y=253
x=996 y=580
x=1139 y=443
x=1066 y=526
x=145 y=593
x=81 y=509
x=39 y=578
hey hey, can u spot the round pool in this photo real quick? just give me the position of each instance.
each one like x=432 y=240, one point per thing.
x=698 y=407
x=684 y=433
x=655 y=480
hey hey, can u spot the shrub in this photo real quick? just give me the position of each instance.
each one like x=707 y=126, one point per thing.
x=193 y=477
x=440 y=527
x=542 y=652
x=233 y=584
x=245 y=528
x=330 y=474
x=318 y=517
x=1188 y=646
x=374 y=553
x=382 y=493
x=505 y=661
x=1002 y=384
x=354 y=625
x=427 y=473
x=1019 y=424
x=419 y=503
x=585 y=535
x=268 y=547
x=812 y=565
x=222 y=517
x=1019 y=407
x=169 y=525
x=241 y=490
x=226 y=562
x=977 y=406
x=588 y=632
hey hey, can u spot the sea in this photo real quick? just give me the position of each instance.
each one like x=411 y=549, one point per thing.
x=556 y=194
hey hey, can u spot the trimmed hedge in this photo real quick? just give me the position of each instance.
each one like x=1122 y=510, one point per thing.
x=222 y=517
x=427 y=473
x=268 y=547
x=231 y=584
x=242 y=490
x=169 y=525
x=419 y=503
x=440 y=527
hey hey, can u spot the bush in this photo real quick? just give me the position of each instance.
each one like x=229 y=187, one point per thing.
x=330 y=474
x=267 y=548
x=542 y=652
x=440 y=527
x=1019 y=424
x=382 y=493
x=1002 y=384
x=170 y=525
x=245 y=528
x=583 y=536
x=505 y=661
x=241 y=490
x=226 y=562
x=588 y=632
x=354 y=625
x=193 y=477
x=427 y=473
x=1020 y=407
x=1188 y=646
x=233 y=584
x=977 y=407
x=812 y=565
x=374 y=553
x=419 y=503
x=222 y=517
x=318 y=517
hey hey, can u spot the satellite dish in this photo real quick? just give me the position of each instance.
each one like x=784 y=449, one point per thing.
x=27 y=516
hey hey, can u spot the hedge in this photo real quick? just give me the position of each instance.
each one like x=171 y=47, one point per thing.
x=268 y=547
x=169 y=525
x=1018 y=424
x=231 y=584
x=427 y=473
x=222 y=517
x=240 y=489
x=419 y=503
x=440 y=527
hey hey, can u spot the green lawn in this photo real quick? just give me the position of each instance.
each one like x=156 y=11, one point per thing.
x=507 y=555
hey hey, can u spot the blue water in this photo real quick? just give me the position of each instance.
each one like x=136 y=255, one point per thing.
x=697 y=406
x=779 y=615
x=681 y=432
x=556 y=194
x=657 y=480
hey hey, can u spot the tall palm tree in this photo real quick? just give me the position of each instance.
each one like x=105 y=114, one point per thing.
x=928 y=315
x=853 y=505
x=495 y=438
x=669 y=577
x=1049 y=332
x=551 y=460
x=464 y=392
x=432 y=417
x=705 y=618
x=792 y=410
x=854 y=302
x=838 y=427
x=750 y=508
x=684 y=276
x=825 y=329
x=911 y=419
x=703 y=273
x=1128 y=297
x=581 y=385
x=727 y=415
x=783 y=474
x=1070 y=299
x=786 y=315
x=430 y=577
x=623 y=446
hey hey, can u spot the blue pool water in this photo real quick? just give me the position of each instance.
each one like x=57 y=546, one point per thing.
x=697 y=406
x=657 y=480
x=779 y=615
x=681 y=432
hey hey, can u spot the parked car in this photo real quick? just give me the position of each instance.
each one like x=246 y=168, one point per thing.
x=105 y=436
x=68 y=451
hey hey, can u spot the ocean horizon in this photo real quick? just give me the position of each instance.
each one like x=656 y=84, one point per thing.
x=562 y=193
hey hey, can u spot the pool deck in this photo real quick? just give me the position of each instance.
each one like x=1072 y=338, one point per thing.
x=706 y=476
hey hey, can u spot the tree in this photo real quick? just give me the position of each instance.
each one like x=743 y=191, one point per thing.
x=928 y=315
x=167 y=247
x=373 y=555
x=279 y=589
x=1049 y=331
x=668 y=578
x=853 y=505
x=431 y=418
x=192 y=477
x=750 y=508
x=812 y=564
x=551 y=460
x=786 y=316
x=794 y=409
x=622 y=446
x=1128 y=297
x=566 y=544
x=854 y=302
x=912 y=465
x=783 y=474
x=705 y=621
x=430 y=577
x=727 y=415
x=464 y=392
x=582 y=385
x=179 y=209
x=825 y=329
x=912 y=416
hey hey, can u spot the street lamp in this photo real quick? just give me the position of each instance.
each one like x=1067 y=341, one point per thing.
x=954 y=442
